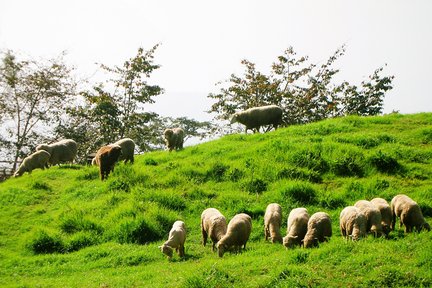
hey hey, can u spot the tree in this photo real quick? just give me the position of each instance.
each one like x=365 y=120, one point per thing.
x=307 y=92
x=33 y=95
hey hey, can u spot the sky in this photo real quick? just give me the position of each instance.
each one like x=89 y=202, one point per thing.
x=203 y=42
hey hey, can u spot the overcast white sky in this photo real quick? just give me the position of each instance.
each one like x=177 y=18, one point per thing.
x=203 y=42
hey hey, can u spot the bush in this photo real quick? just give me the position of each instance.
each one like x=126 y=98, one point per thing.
x=235 y=175
x=349 y=163
x=81 y=240
x=255 y=186
x=299 y=174
x=73 y=221
x=385 y=163
x=43 y=243
x=310 y=158
x=137 y=231
x=119 y=184
x=150 y=162
x=171 y=201
x=217 y=172
x=301 y=192
x=39 y=185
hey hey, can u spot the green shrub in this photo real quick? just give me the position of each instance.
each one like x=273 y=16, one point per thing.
x=169 y=200
x=255 y=186
x=311 y=158
x=348 y=163
x=217 y=172
x=384 y=162
x=42 y=242
x=300 y=192
x=150 y=162
x=40 y=185
x=214 y=277
x=81 y=240
x=119 y=184
x=294 y=173
x=73 y=221
x=235 y=175
x=137 y=231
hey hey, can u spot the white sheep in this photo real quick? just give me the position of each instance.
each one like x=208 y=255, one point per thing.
x=386 y=214
x=409 y=212
x=273 y=222
x=213 y=225
x=238 y=232
x=174 y=138
x=176 y=240
x=128 y=149
x=296 y=227
x=39 y=159
x=352 y=223
x=373 y=217
x=61 y=152
x=319 y=229
x=256 y=117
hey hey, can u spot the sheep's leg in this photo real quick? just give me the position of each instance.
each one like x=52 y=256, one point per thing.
x=266 y=232
x=204 y=239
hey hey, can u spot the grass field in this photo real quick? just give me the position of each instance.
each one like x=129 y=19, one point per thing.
x=63 y=227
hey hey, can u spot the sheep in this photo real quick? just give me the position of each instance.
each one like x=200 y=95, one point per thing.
x=174 y=138
x=128 y=149
x=272 y=223
x=296 y=227
x=213 y=224
x=105 y=158
x=176 y=240
x=352 y=223
x=409 y=212
x=61 y=151
x=256 y=117
x=373 y=217
x=386 y=214
x=238 y=232
x=33 y=161
x=319 y=229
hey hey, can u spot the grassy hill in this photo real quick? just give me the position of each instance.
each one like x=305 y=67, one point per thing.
x=63 y=227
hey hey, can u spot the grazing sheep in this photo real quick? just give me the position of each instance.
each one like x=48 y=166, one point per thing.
x=409 y=212
x=61 y=152
x=373 y=217
x=352 y=223
x=273 y=222
x=296 y=227
x=319 y=229
x=176 y=240
x=238 y=232
x=256 y=117
x=174 y=138
x=39 y=159
x=128 y=148
x=106 y=157
x=213 y=224
x=386 y=214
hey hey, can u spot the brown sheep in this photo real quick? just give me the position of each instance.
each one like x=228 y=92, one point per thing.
x=319 y=229
x=409 y=212
x=386 y=214
x=213 y=224
x=296 y=227
x=238 y=232
x=352 y=223
x=273 y=222
x=105 y=158
x=373 y=217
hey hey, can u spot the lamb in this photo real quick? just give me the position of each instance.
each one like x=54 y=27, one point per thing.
x=409 y=212
x=373 y=217
x=238 y=232
x=213 y=224
x=272 y=223
x=386 y=214
x=352 y=223
x=128 y=148
x=105 y=158
x=319 y=229
x=256 y=117
x=39 y=159
x=296 y=227
x=176 y=240
x=61 y=152
x=174 y=138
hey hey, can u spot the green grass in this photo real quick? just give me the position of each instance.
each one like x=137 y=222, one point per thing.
x=63 y=227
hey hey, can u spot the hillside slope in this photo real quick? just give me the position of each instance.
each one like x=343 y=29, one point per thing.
x=63 y=227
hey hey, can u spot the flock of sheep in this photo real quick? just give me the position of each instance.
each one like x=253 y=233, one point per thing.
x=374 y=217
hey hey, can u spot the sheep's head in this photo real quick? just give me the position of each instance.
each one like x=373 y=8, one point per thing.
x=276 y=239
x=44 y=147
x=168 y=133
x=167 y=250
x=386 y=229
x=234 y=118
x=310 y=242
x=376 y=231
x=221 y=249
x=290 y=241
x=426 y=226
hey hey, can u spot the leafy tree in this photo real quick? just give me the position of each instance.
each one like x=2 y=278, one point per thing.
x=307 y=92
x=33 y=95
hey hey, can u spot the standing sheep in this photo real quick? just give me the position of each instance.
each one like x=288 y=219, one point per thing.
x=174 y=138
x=238 y=232
x=296 y=227
x=213 y=224
x=61 y=152
x=39 y=159
x=105 y=158
x=128 y=148
x=373 y=217
x=352 y=223
x=386 y=214
x=409 y=212
x=176 y=240
x=256 y=117
x=273 y=222
x=319 y=229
